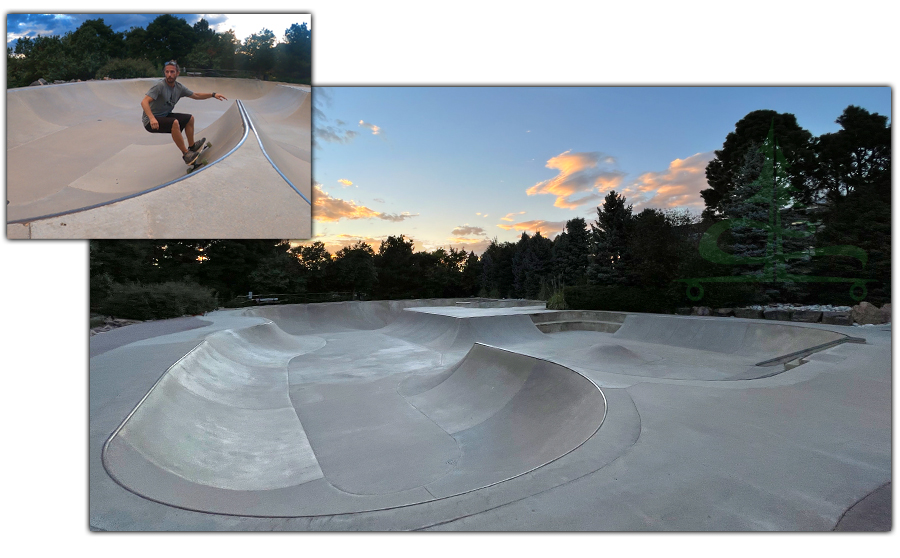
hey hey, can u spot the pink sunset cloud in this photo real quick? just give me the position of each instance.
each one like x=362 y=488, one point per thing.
x=677 y=186
x=583 y=179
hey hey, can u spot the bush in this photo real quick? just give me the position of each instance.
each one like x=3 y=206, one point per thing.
x=558 y=301
x=619 y=299
x=101 y=287
x=158 y=301
x=127 y=68
x=725 y=295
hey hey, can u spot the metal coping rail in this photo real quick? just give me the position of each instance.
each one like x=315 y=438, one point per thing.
x=246 y=115
x=244 y=124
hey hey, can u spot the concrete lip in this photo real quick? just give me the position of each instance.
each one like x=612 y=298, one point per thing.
x=392 y=415
x=107 y=174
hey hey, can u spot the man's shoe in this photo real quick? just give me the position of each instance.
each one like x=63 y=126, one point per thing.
x=190 y=157
x=197 y=145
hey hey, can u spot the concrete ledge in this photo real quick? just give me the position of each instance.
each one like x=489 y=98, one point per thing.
x=557 y=326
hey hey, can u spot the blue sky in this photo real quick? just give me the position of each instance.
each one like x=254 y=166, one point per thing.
x=31 y=25
x=457 y=166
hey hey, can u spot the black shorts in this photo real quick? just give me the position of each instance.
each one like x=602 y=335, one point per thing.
x=165 y=123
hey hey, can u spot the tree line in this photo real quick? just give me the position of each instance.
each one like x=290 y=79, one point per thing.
x=626 y=260
x=95 y=51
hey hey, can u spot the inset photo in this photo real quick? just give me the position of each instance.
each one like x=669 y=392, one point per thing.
x=158 y=126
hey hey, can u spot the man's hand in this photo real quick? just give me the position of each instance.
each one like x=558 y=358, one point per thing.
x=154 y=123
x=219 y=96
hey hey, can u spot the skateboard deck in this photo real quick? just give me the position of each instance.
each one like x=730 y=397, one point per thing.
x=200 y=160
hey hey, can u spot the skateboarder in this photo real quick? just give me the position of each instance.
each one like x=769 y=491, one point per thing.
x=158 y=117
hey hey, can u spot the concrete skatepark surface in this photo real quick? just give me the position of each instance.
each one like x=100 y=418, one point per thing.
x=81 y=165
x=440 y=415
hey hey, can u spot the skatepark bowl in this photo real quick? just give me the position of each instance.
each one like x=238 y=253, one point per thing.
x=469 y=414
x=81 y=165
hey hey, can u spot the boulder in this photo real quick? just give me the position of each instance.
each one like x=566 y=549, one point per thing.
x=809 y=316
x=748 y=313
x=724 y=312
x=777 y=314
x=683 y=311
x=40 y=81
x=865 y=313
x=837 y=318
x=886 y=312
x=700 y=311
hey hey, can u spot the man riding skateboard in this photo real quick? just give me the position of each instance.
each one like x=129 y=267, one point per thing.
x=158 y=117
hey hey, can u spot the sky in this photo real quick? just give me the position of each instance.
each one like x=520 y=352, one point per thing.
x=244 y=25
x=459 y=166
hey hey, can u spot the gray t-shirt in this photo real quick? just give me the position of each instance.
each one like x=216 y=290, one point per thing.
x=164 y=99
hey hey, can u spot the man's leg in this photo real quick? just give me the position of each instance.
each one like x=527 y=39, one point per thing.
x=189 y=130
x=177 y=137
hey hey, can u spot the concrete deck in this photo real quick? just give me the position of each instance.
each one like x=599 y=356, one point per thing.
x=80 y=164
x=408 y=415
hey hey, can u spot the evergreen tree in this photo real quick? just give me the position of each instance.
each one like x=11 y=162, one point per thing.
x=571 y=252
x=653 y=255
x=610 y=241
x=498 y=279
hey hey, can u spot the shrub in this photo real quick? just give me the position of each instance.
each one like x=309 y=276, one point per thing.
x=158 y=300
x=127 y=68
x=618 y=299
x=101 y=287
x=724 y=295
x=558 y=300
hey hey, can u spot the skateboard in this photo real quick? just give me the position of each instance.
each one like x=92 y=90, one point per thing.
x=200 y=160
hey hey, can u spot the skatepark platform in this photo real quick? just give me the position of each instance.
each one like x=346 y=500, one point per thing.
x=455 y=415
x=81 y=165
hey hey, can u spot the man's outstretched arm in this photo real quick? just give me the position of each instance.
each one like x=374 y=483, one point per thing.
x=202 y=96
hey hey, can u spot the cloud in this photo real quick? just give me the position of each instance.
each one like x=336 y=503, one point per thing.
x=477 y=245
x=466 y=230
x=581 y=179
x=511 y=216
x=323 y=96
x=345 y=182
x=375 y=129
x=396 y=218
x=379 y=200
x=329 y=209
x=548 y=229
x=677 y=186
x=323 y=131
x=332 y=134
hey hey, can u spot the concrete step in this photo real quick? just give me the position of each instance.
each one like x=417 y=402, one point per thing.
x=578 y=325
x=579 y=315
